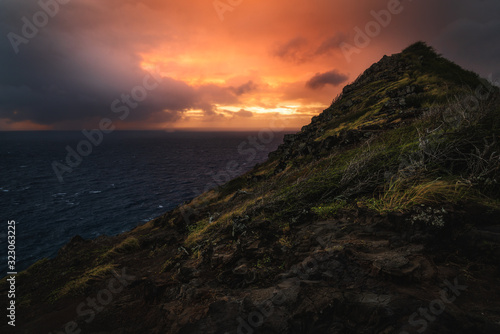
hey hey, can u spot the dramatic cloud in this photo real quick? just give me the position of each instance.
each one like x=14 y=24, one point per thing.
x=64 y=69
x=333 y=78
x=68 y=76
x=240 y=113
x=244 y=113
x=332 y=43
x=464 y=41
x=245 y=88
x=293 y=50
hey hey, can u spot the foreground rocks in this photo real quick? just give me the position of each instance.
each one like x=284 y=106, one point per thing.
x=358 y=273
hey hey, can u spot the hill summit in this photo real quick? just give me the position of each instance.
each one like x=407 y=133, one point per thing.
x=380 y=216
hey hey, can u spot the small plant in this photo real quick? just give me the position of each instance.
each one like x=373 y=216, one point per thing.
x=336 y=248
x=285 y=228
x=197 y=230
x=261 y=263
x=429 y=216
x=329 y=210
x=196 y=255
x=285 y=242
x=356 y=166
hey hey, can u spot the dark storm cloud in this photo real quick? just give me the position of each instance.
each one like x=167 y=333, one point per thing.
x=69 y=73
x=333 y=78
x=471 y=35
x=464 y=41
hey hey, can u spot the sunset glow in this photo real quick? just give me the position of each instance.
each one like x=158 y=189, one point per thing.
x=222 y=69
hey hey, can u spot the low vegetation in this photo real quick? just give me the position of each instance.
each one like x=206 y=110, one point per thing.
x=404 y=138
x=79 y=284
x=377 y=177
x=128 y=245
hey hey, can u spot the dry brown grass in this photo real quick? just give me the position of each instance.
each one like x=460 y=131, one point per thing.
x=401 y=195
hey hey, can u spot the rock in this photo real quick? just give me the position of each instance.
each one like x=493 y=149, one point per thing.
x=239 y=225
x=73 y=243
x=241 y=270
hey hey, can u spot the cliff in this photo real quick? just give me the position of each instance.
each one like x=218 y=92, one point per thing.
x=380 y=216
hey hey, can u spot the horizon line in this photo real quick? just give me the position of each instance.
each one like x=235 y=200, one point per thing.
x=167 y=130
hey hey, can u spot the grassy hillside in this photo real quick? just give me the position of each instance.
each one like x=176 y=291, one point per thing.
x=356 y=220
x=413 y=129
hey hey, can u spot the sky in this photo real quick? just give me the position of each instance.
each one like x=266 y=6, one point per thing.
x=214 y=65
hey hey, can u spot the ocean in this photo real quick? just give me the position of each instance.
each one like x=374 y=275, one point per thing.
x=127 y=180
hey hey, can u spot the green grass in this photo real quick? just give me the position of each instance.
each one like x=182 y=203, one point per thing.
x=311 y=182
x=329 y=210
x=129 y=245
x=78 y=285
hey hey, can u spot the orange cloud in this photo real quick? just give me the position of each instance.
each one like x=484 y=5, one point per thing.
x=262 y=58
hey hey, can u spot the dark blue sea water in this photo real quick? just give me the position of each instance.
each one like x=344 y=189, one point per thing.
x=130 y=178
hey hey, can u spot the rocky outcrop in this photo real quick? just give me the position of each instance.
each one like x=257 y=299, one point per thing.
x=358 y=273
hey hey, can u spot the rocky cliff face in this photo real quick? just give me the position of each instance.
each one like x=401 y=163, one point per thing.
x=381 y=216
